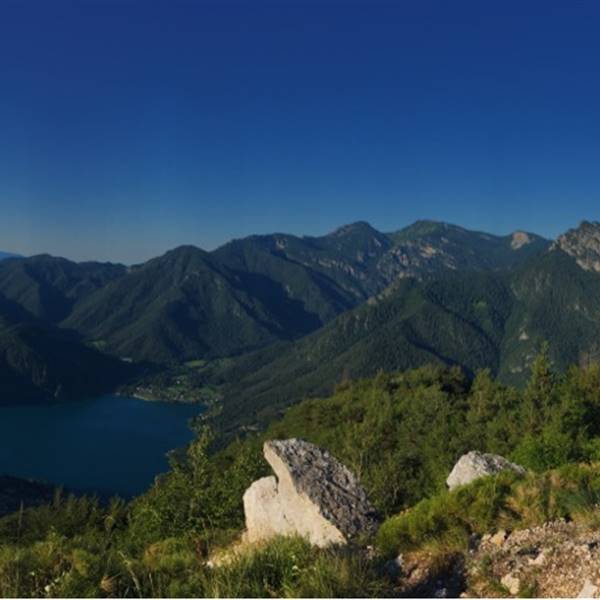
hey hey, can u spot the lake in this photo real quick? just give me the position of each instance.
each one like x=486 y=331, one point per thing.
x=109 y=445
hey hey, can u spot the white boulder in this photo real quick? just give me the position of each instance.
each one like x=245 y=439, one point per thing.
x=312 y=495
x=474 y=465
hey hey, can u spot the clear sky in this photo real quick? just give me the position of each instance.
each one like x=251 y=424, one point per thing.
x=130 y=127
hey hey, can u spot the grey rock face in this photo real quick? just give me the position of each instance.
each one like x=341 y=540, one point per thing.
x=475 y=464
x=583 y=244
x=314 y=495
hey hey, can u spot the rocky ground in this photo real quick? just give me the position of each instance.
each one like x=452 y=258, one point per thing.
x=558 y=559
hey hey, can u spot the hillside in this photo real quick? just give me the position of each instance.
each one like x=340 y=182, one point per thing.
x=364 y=261
x=259 y=297
x=186 y=305
x=49 y=287
x=39 y=361
x=489 y=319
x=456 y=321
x=15 y=493
x=400 y=433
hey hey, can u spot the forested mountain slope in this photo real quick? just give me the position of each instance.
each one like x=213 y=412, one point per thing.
x=252 y=295
x=39 y=361
x=191 y=304
x=495 y=320
x=49 y=287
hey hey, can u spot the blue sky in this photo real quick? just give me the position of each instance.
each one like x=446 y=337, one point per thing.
x=130 y=127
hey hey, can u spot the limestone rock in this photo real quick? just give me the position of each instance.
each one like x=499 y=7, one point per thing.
x=520 y=239
x=264 y=514
x=511 y=583
x=475 y=464
x=313 y=495
x=589 y=590
x=583 y=244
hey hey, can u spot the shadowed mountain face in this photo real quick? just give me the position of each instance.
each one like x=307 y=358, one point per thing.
x=186 y=305
x=39 y=361
x=4 y=255
x=49 y=287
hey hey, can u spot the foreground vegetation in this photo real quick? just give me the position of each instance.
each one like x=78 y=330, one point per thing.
x=401 y=433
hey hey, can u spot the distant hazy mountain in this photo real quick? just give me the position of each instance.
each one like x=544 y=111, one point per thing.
x=363 y=261
x=4 y=255
x=486 y=319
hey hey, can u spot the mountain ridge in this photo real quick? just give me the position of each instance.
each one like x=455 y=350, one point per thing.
x=294 y=315
x=270 y=288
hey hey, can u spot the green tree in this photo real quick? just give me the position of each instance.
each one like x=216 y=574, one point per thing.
x=539 y=395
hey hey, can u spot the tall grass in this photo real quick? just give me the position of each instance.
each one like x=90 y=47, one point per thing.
x=502 y=501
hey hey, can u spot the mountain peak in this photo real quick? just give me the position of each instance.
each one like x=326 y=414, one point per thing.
x=583 y=244
x=358 y=227
x=420 y=229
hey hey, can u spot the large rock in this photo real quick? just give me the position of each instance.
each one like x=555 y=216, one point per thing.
x=313 y=495
x=475 y=464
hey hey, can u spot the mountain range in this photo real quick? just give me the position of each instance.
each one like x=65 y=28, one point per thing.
x=190 y=304
x=296 y=315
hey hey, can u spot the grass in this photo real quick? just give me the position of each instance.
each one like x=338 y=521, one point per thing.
x=504 y=501
x=290 y=568
x=285 y=567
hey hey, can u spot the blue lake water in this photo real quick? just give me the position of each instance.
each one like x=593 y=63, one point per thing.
x=109 y=444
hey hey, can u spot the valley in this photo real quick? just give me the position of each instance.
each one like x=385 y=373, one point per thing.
x=241 y=334
x=246 y=297
x=148 y=392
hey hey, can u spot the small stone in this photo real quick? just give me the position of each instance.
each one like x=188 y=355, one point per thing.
x=539 y=560
x=589 y=590
x=498 y=538
x=511 y=583
x=394 y=567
